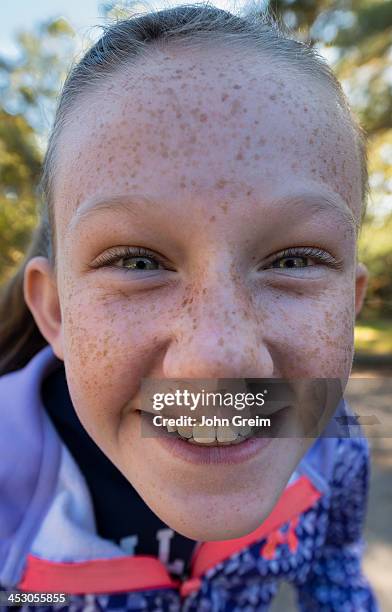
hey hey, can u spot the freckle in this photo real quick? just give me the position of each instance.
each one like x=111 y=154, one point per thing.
x=262 y=141
x=221 y=183
x=221 y=342
x=204 y=291
x=236 y=86
x=212 y=219
x=239 y=156
x=203 y=117
x=224 y=207
x=235 y=107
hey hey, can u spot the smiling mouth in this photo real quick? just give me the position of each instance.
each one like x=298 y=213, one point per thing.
x=202 y=435
x=210 y=435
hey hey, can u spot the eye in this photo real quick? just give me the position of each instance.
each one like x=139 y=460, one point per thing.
x=291 y=262
x=130 y=259
x=138 y=263
x=302 y=257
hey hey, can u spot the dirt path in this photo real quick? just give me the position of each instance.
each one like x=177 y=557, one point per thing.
x=377 y=392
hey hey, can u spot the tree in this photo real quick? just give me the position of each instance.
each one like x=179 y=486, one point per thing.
x=30 y=85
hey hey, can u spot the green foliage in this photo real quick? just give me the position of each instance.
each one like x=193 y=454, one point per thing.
x=27 y=100
x=20 y=163
x=374 y=337
x=375 y=248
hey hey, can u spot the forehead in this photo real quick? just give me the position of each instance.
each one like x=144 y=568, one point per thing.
x=203 y=122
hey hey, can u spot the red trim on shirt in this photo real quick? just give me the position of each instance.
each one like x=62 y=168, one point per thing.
x=126 y=574
x=119 y=575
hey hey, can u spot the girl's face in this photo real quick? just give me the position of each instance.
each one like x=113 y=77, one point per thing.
x=214 y=167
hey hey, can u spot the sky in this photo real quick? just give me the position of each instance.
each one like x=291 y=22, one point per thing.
x=83 y=15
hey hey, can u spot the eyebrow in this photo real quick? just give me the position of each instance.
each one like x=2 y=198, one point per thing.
x=130 y=203
x=313 y=201
x=325 y=201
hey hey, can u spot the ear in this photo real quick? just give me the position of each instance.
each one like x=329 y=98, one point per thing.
x=361 y=283
x=41 y=296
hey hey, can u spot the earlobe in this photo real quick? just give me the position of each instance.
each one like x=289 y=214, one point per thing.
x=361 y=283
x=41 y=296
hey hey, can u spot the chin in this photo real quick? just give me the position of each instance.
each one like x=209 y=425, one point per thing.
x=211 y=529
x=223 y=517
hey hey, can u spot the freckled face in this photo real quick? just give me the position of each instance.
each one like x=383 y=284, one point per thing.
x=241 y=185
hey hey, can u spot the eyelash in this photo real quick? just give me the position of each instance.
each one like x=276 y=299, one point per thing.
x=112 y=256
x=308 y=253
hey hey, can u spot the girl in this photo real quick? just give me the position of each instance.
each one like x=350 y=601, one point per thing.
x=204 y=184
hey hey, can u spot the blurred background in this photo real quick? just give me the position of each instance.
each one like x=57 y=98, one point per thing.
x=39 y=41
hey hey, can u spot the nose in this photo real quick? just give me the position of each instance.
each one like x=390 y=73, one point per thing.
x=218 y=336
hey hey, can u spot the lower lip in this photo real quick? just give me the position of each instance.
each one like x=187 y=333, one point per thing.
x=198 y=454
x=229 y=454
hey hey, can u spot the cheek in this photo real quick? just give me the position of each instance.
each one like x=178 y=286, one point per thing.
x=108 y=347
x=313 y=337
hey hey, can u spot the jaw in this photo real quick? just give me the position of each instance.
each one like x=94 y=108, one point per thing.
x=210 y=502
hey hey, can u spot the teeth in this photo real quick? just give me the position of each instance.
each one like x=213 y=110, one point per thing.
x=244 y=430
x=185 y=432
x=225 y=434
x=203 y=434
